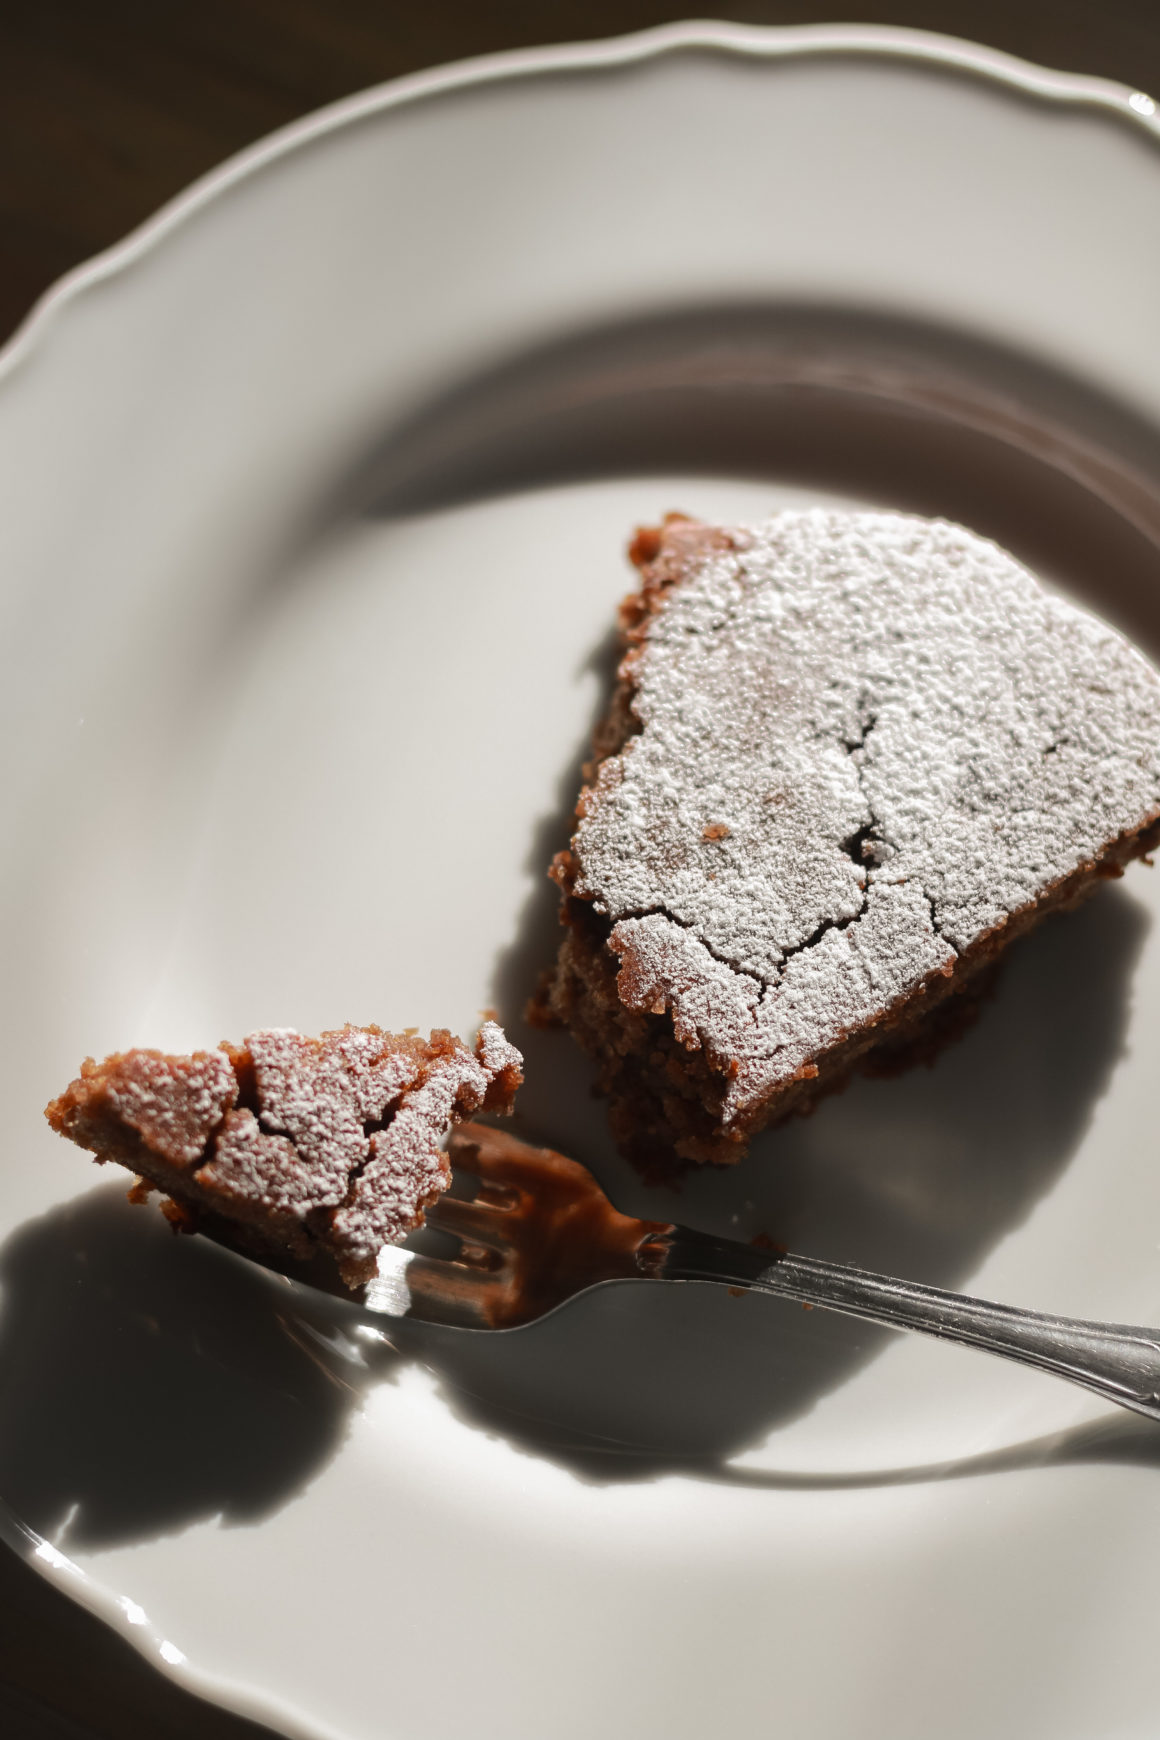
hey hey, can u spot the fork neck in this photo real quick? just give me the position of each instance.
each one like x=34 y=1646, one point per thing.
x=681 y=1254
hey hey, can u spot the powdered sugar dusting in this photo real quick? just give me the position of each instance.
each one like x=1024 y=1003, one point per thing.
x=174 y=1105
x=496 y=1053
x=305 y=1093
x=338 y=1141
x=257 y=1176
x=664 y=966
x=866 y=740
x=407 y=1167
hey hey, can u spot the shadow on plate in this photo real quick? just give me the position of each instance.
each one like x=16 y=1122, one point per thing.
x=917 y=1176
x=148 y=1382
x=902 y=413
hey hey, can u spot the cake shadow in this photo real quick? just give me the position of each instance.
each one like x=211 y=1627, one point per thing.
x=519 y=967
x=917 y=1176
x=923 y=418
x=148 y=1382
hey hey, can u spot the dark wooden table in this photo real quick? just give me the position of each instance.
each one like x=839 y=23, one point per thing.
x=107 y=107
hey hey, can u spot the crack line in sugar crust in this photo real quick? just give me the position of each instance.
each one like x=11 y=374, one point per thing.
x=869 y=835
x=661 y=911
x=936 y=667
x=936 y=923
x=250 y=1099
x=371 y=1127
x=855 y=848
x=869 y=720
x=316 y=1220
x=245 y=1101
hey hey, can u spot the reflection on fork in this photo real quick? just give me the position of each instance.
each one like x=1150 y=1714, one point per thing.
x=539 y=1231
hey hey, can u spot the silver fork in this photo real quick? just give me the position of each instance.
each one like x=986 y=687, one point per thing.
x=540 y=1231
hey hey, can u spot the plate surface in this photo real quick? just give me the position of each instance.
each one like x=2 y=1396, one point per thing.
x=314 y=500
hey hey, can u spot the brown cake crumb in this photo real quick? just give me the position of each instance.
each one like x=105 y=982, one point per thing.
x=850 y=758
x=293 y=1144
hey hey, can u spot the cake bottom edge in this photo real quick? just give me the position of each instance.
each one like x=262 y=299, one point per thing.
x=665 y=1101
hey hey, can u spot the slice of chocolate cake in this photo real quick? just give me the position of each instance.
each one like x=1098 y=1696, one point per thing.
x=293 y=1145
x=851 y=757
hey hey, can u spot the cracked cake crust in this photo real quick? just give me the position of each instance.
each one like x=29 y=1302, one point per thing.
x=291 y=1145
x=850 y=758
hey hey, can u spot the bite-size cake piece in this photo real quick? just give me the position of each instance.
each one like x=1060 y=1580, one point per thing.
x=850 y=758
x=291 y=1144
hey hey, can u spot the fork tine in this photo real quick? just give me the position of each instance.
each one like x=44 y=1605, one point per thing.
x=505 y=1165
x=464 y=1152
x=431 y=1290
x=469 y=1220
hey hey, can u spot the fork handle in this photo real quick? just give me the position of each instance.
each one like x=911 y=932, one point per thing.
x=1117 y=1361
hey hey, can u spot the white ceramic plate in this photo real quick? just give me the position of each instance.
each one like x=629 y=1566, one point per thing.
x=314 y=496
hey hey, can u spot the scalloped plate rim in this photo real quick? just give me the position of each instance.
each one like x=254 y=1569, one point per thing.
x=1008 y=72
